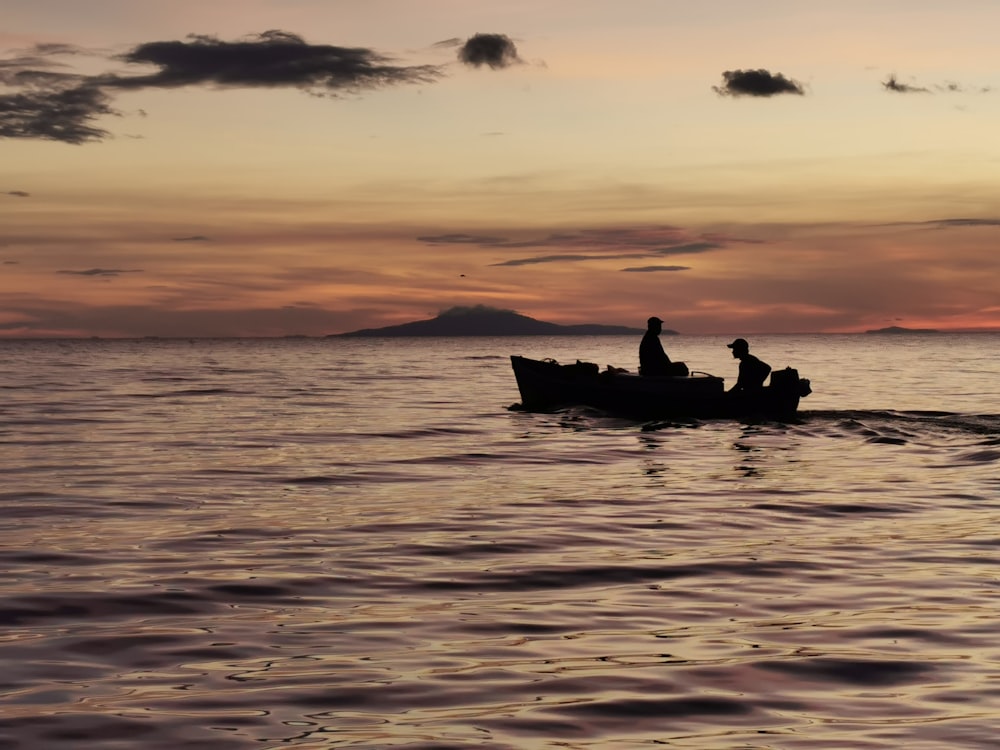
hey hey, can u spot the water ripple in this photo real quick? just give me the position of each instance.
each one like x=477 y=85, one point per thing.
x=317 y=544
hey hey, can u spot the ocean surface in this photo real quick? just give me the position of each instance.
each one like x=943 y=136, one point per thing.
x=357 y=543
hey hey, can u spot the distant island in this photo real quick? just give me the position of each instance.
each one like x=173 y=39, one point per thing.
x=482 y=320
x=898 y=329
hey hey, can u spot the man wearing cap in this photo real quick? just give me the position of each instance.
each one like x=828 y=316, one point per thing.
x=753 y=372
x=652 y=359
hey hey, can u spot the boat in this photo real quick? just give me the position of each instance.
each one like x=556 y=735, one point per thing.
x=546 y=385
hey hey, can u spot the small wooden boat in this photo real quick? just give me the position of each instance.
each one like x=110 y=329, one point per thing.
x=546 y=385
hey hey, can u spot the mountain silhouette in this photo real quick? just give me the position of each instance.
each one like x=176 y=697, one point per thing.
x=482 y=320
x=899 y=329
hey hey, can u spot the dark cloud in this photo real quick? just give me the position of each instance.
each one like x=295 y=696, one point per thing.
x=102 y=272
x=642 y=238
x=757 y=83
x=19 y=193
x=58 y=48
x=193 y=238
x=653 y=252
x=12 y=262
x=729 y=239
x=949 y=87
x=945 y=223
x=893 y=84
x=545 y=259
x=639 y=238
x=65 y=115
x=35 y=68
x=461 y=239
x=653 y=269
x=688 y=249
x=51 y=102
x=271 y=59
x=960 y=89
x=965 y=222
x=495 y=50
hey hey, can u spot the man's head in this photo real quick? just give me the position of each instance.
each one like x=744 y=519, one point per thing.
x=739 y=347
x=654 y=324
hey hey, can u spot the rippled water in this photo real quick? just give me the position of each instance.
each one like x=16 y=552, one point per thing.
x=356 y=543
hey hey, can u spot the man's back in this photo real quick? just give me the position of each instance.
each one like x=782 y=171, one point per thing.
x=753 y=373
x=652 y=359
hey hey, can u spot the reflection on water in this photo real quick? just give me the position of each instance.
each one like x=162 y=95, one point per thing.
x=319 y=544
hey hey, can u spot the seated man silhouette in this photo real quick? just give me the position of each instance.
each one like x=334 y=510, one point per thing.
x=652 y=359
x=753 y=372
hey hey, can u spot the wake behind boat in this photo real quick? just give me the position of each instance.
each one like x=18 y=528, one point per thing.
x=545 y=385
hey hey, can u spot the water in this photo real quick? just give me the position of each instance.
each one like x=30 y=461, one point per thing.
x=355 y=543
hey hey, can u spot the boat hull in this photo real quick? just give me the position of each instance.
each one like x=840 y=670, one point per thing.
x=546 y=385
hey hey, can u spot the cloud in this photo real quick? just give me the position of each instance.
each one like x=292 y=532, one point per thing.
x=653 y=269
x=51 y=101
x=693 y=247
x=893 y=84
x=61 y=318
x=946 y=223
x=19 y=193
x=622 y=237
x=697 y=247
x=570 y=258
x=964 y=222
x=495 y=50
x=688 y=249
x=272 y=59
x=461 y=239
x=65 y=115
x=36 y=68
x=108 y=272
x=630 y=237
x=193 y=238
x=958 y=88
x=605 y=244
x=757 y=83
x=544 y=259
x=54 y=103
x=730 y=239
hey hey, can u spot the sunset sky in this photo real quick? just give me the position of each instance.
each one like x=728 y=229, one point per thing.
x=271 y=167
